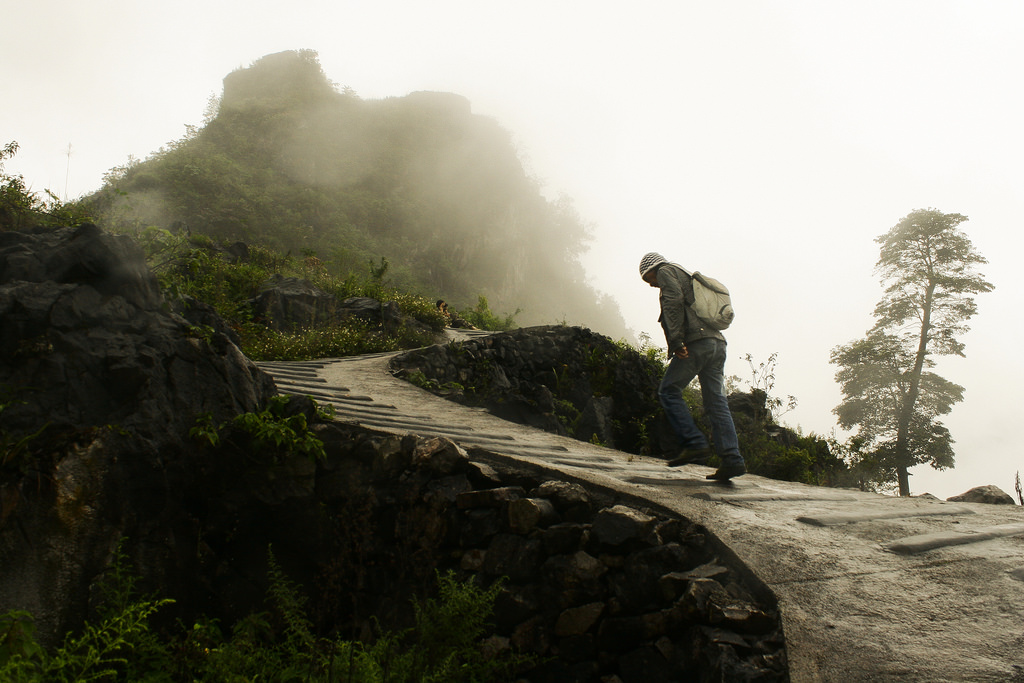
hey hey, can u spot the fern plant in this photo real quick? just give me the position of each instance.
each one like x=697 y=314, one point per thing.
x=279 y=645
x=110 y=650
x=448 y=632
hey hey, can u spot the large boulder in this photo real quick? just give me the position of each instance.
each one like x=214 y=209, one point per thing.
x=984 y=494
x=289 y=303
x=100 y=388
x=85 y=342
x=596 y=421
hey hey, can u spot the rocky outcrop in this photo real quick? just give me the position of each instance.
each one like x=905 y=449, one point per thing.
x=289 y=303
x=984 y=494
x=100 y=388
x=85 y=343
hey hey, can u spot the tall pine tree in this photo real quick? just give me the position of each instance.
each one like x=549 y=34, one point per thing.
x=927 y=266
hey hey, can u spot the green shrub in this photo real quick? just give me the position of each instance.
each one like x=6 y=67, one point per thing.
x=277 y=645
x=22 y=208
x=118 y=648
x=482 y=317
x=195 y=266
x=351 y=338
x=270 y=430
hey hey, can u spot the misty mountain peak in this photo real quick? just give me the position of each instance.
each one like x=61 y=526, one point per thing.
x=283 y=77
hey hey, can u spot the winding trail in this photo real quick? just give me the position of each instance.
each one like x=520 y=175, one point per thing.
x=871 y=587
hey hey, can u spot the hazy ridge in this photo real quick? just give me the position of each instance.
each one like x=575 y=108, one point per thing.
x=289 y=159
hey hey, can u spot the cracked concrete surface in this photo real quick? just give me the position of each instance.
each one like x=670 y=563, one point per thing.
x=871 y=587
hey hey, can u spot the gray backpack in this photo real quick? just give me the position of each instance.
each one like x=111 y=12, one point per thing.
x=711 y=301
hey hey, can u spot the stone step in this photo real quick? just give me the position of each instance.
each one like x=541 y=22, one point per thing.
x=840 y=518
x=911 y=545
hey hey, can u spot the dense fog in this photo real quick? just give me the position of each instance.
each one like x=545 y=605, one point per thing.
x=288 y=158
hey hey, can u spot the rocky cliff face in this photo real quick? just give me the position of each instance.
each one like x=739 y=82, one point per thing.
x=110 y=385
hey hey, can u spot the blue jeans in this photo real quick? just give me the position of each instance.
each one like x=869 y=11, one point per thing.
x=706 y=361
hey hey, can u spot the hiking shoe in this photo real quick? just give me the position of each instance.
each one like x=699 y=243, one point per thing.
x=727 y=472
x=691 y=456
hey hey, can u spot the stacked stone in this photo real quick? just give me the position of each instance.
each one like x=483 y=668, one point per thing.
x=519 y=355
x=598 y=591
x=566 y=380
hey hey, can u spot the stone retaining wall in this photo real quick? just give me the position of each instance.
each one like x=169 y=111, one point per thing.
x=597 y=587
x=566 y=380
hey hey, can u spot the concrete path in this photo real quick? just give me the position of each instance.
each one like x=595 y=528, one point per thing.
x=871 y=587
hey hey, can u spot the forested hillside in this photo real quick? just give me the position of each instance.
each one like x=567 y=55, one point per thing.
x=288 y=159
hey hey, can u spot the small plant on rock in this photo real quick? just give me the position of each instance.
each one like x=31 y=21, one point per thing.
x=111 y=650
x=14 y=448
x=482 y=317
x=271 y=430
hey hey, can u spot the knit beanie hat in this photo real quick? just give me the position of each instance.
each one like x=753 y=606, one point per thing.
x=650 y=261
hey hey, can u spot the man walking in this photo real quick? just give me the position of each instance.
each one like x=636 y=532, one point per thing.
x=695 y=349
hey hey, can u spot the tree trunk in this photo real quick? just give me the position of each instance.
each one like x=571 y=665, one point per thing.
x=903 y=456
x=903 y=478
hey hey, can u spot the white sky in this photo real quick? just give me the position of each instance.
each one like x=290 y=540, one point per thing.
x=765 y=143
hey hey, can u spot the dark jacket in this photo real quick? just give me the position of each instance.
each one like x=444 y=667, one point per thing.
x=680 y=323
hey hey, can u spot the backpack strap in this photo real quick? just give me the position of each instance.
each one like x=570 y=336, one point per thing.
x=689 y=304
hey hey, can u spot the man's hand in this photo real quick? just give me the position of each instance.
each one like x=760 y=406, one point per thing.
x=682 y=352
